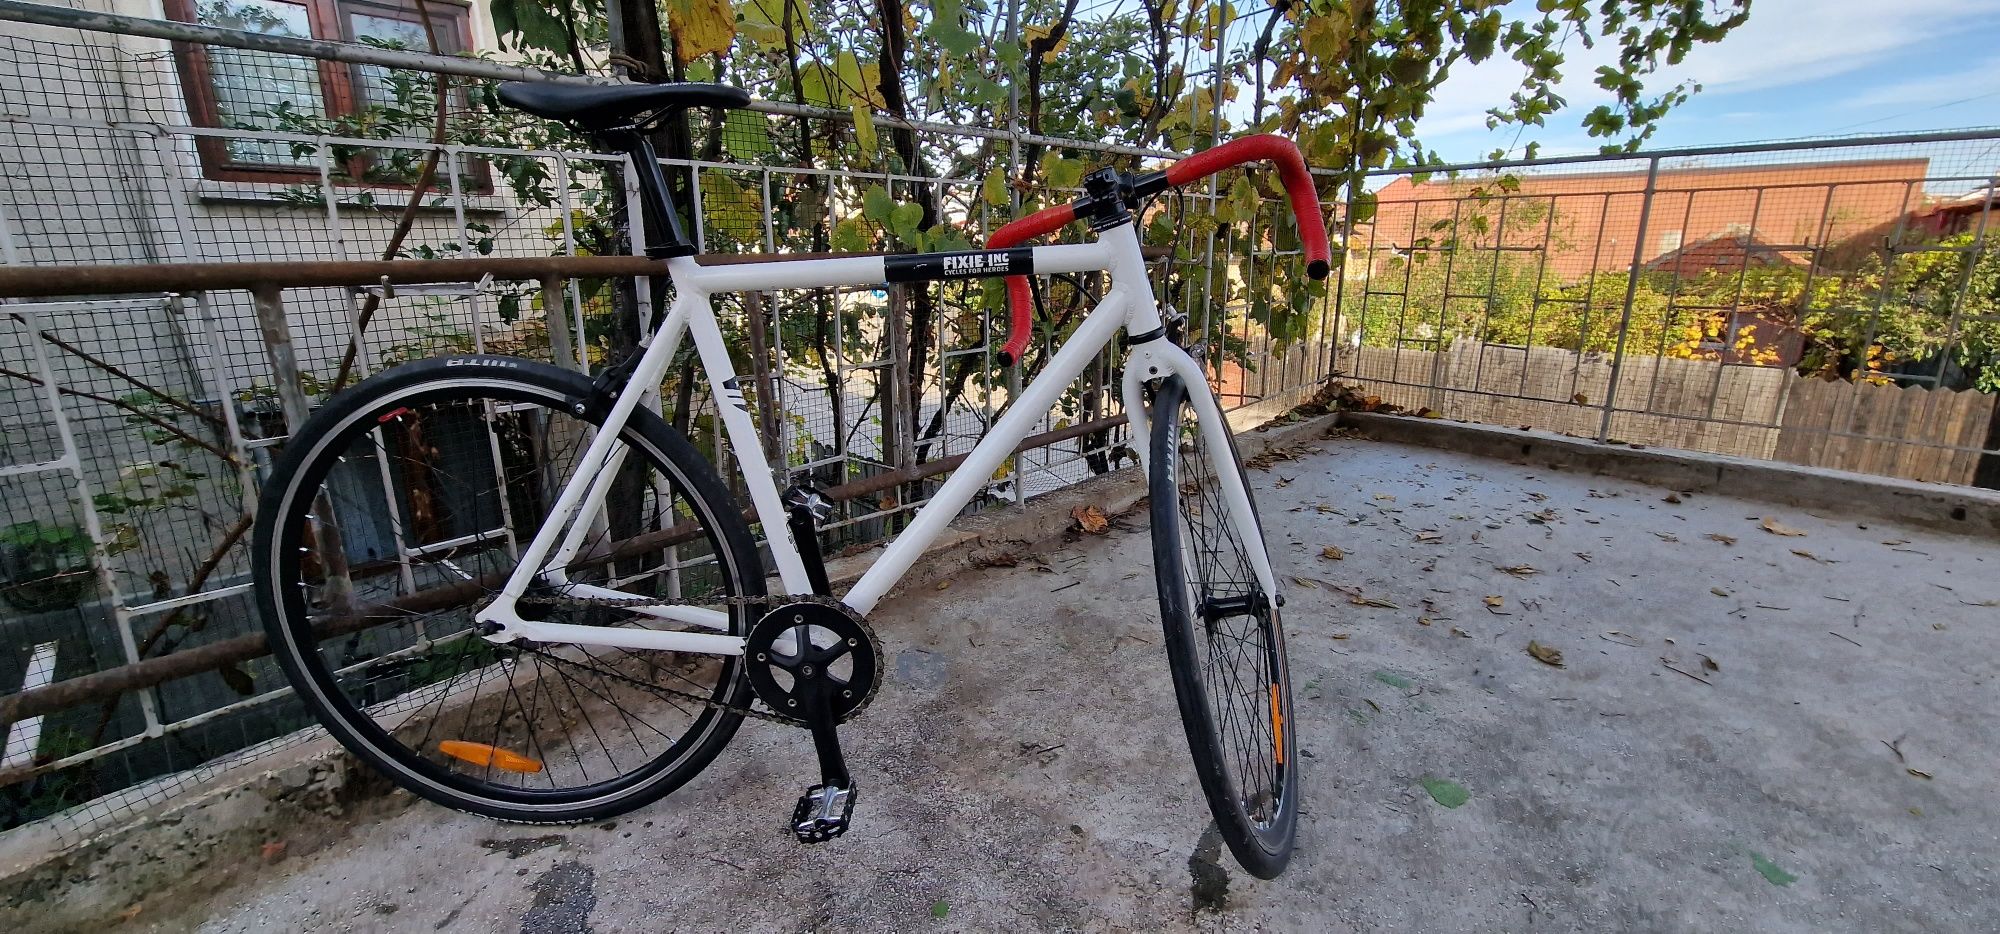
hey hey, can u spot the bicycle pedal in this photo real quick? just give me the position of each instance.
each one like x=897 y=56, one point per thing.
x=823 y=813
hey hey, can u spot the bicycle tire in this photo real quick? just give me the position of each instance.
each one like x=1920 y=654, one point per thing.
x=1250 y=780
x=343 y=696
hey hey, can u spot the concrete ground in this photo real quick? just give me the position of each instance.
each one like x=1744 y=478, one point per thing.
x=1750 y=731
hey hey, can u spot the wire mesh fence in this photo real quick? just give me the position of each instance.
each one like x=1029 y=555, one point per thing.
x=1826 y=307
x=1824 y=304
x=138 y=429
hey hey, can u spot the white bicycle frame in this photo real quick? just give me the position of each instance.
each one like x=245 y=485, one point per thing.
x=1129 y=305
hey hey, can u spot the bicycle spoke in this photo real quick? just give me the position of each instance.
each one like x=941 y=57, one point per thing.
x=1234 y=642
x=438 y=491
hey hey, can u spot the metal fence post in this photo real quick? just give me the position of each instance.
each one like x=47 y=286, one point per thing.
x=1631 y=293
x=268 y=300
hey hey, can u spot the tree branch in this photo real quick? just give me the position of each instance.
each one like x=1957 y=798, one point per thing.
x=425 y=177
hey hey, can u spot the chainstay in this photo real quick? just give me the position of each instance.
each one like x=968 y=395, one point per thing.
x=763 y=601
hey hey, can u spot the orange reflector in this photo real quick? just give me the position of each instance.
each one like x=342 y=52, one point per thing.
x=482 y=754
x=1277 y=727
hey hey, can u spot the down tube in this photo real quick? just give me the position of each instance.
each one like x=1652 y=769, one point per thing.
x=972 y=476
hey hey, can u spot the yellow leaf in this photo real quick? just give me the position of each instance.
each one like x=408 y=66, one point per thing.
x=864 y=126
x=1036 y=34
x=1518 y=570
x=1775 y=527
x=1545 y=654
x=994 y=188
x=1496 y=601
x=857 y=82
x=701 y=28
x=1359 y=600
x=1091 y=520
x=1332 y=553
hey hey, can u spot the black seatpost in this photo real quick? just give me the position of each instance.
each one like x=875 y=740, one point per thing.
x=663 y=224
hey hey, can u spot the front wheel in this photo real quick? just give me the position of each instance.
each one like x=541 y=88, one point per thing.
x=1224 y=641
x=400 y=506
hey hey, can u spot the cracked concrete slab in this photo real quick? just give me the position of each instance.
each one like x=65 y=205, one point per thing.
x=1749 y=731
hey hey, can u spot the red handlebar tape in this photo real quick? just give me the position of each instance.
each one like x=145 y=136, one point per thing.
x=1020 y=298
x=1291 y=170
x=1277 y=149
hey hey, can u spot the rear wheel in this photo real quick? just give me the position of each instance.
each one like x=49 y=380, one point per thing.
x=1225 y=644
x=398 y=508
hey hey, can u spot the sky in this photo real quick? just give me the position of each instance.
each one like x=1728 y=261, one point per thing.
x=1796 y=68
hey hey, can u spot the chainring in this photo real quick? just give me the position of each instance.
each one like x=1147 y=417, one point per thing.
x=838 y=647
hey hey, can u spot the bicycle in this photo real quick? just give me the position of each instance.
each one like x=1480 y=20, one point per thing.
x=620 y=624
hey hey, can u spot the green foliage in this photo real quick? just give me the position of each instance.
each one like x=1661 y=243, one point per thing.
x=46 y=566
x=1932 y=310
x=1349 y=81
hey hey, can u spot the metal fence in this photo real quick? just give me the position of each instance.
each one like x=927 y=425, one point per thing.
x=1822 y=305
x=137 y=428
x=1827 y=303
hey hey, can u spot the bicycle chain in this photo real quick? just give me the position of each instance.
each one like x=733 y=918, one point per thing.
x=768 y=600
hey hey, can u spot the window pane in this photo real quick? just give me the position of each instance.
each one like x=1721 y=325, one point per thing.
x=404 y=101
x=259 y=89
x=376 y=86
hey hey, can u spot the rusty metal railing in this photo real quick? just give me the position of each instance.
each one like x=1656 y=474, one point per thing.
x=267 y=282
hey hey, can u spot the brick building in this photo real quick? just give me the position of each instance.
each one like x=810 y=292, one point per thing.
x=1590 y=220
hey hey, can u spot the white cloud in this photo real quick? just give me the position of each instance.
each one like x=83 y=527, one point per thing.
x=1788 y=42
x=1784 y=43
x=1934 y=89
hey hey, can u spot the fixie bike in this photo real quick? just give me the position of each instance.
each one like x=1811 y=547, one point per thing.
x=518 y=591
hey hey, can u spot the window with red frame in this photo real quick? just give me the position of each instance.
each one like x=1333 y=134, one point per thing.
x=246 y=89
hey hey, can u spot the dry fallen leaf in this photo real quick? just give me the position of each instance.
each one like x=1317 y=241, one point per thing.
x=1672 y=498
x=1384 y=497
x=1920 y=773
x=1896 y=541
x=1667 y=536
x=1460 y=632
x=1423 y=620
x=944 y=585
x=1359 y=600
x=1342 y=635
x=1545 y=654
x=1496 y=601
x=1090 y=519
x=1719 y=537
x=1332 y=553
x=1775 y=527
x=1518 y=570
x=1306 y=582
x=1426 y=538
x=1710 y=664
x=1809 y=556
x=1718 y=591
